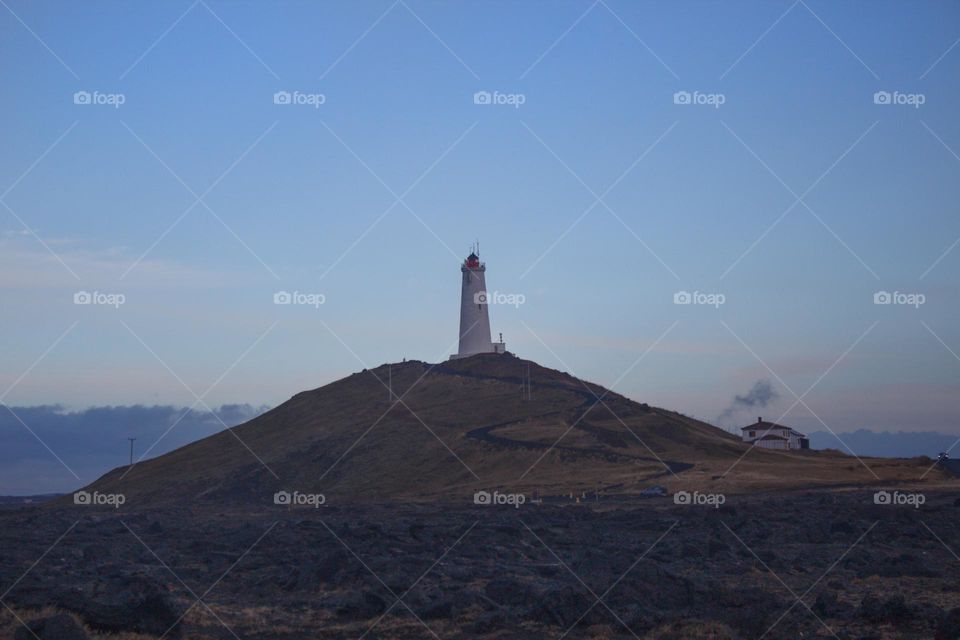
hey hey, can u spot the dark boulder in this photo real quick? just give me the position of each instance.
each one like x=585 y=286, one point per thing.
x=126 y=603
x=843 y=527
x=433 y=602
x=949 y=626
x=649 y=583
x=828 y=605
x=489 y=621
x=507 y=592
x=95 y=553
x=716 y=546
x=750 y=610
x=893 y=610
x=561 y=606
x=363 y=607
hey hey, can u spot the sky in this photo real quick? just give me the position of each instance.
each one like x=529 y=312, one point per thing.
x=784 y=163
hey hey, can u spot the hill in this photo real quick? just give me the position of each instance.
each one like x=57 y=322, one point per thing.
x=456 y=427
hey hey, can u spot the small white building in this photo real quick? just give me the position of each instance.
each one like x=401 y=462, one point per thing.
x=770 y=435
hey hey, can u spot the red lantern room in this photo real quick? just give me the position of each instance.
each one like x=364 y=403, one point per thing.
x=472 y=261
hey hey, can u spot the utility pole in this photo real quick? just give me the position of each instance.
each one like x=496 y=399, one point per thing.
x=131 y=450
x=390 y=383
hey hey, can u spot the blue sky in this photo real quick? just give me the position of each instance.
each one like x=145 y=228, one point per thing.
x=693 y=198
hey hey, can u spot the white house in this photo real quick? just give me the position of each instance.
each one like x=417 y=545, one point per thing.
x=770 y=435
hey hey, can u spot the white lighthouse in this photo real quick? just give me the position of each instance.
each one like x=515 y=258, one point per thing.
x=474 y=310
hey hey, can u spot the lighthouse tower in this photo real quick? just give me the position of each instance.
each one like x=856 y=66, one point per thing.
x=474 y=310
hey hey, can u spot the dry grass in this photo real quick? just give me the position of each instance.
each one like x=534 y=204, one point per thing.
x=692 y=630
x=11 y=621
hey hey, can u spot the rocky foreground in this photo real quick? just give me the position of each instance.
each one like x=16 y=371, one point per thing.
x=787 y=566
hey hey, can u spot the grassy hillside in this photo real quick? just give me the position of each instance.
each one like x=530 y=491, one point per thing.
x=464 y=425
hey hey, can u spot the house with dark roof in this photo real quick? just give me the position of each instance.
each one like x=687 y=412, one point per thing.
x=770 y=435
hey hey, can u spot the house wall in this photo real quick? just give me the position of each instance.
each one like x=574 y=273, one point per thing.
x=784 y=433
x=792 y=439
x=773 y=444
